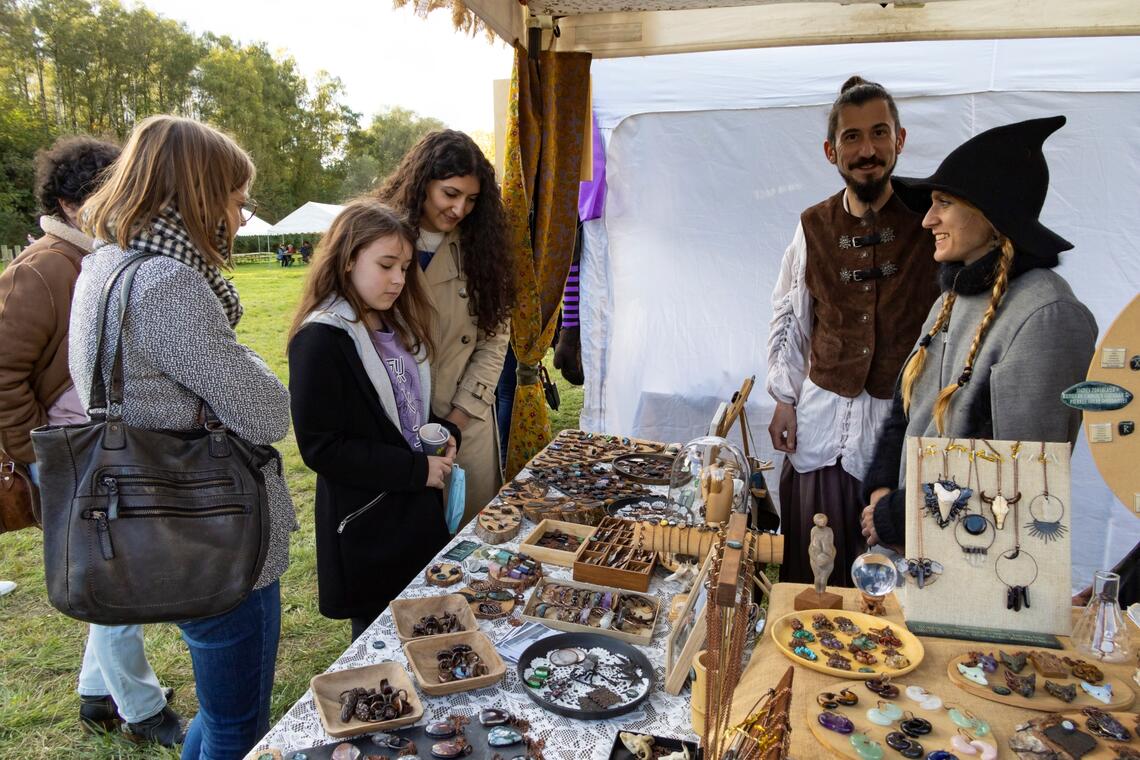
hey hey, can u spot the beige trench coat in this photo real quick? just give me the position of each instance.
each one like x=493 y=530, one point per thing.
x=465 y=369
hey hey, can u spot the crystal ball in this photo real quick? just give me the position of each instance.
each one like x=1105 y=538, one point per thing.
x=874 y=574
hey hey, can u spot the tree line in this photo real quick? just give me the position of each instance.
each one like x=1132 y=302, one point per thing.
x=75 y=66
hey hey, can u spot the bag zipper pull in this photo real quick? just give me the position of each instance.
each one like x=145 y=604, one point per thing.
x=359 y=512
x=112 y=487
x=103 y=529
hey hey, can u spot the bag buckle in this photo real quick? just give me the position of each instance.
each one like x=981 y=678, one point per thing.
x=7 y=467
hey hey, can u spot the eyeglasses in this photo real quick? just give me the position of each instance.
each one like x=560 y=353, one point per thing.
x=248 y=209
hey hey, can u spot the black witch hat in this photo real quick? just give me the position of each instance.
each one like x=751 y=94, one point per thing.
x=1002 y=172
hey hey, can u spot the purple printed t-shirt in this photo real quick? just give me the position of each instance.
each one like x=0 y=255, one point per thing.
x=405 y=377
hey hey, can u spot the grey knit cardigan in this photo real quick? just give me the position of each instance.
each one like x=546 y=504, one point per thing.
x=179 y=350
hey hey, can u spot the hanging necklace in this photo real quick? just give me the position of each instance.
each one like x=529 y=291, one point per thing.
x=944 y=498
x=974 y=524
x=1039 y=527
x=921 y=569
x=1016 y=596
x=999 y=503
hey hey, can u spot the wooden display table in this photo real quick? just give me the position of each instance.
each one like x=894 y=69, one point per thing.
x=768 y=663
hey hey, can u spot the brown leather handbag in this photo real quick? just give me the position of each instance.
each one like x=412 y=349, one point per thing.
x=19 y=497
x=148 y=526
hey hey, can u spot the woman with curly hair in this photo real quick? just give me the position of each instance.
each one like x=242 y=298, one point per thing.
x=447 y=188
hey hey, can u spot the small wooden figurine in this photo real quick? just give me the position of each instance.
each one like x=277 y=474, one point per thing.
x=821 y=556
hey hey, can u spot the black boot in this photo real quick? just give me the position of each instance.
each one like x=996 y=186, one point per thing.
x=98 y=713
x=102 y=714
x=165 y=727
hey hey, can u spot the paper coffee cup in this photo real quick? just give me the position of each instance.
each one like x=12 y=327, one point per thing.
x=433 y=438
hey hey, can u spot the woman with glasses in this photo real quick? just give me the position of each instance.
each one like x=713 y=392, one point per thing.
x=180 y=190
x=447 y=188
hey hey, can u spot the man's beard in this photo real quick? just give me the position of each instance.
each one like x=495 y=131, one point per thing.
x=871 y=190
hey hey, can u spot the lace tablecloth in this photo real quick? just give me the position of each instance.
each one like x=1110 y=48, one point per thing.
x=661 y=714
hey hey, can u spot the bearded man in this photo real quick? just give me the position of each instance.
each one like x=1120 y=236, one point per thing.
x=855 y=285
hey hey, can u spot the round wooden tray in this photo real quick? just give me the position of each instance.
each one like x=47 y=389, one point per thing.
x=1123 y=695
x=840 y=744
x=622 y=466
x=912 y=649
x=440 y=574
x=498 y=523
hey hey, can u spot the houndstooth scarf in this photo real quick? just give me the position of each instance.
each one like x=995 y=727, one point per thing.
x=167 y=236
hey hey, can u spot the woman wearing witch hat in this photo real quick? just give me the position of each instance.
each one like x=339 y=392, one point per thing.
x=1008 y=334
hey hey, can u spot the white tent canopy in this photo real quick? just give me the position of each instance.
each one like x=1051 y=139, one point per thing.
x=255 y=227
x=711 y=157
x=310 y=218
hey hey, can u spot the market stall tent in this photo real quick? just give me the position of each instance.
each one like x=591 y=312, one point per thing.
x=711 y=157
x=310 y=218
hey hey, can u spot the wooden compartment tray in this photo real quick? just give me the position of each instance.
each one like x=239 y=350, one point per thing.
x=421 y=657
x=781 y=632
x=1042 y=700
x=407 y=612
x=327 y=688
x=612 y=537
x=550 y=556
x=529 y=613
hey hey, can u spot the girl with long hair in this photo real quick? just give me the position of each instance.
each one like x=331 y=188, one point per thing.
x=360 y=385
x=180 y=189
x=447 y=188
x=1007 y=336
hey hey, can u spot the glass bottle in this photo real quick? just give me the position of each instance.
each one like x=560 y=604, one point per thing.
x=1102 y=630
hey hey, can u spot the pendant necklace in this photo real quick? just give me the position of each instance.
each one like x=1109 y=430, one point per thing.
x=921 y=569
x=944 y=498
x=975 y=525
x=999 y=503
x=1016 y=596
x=1048 y=530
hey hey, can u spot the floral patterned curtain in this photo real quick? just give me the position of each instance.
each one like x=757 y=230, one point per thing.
x=546 y=125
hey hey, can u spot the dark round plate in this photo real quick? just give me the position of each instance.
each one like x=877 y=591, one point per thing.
x=622 y=467
x=585 y=641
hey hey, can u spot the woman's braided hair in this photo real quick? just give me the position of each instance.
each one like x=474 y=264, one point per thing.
x=914 y=367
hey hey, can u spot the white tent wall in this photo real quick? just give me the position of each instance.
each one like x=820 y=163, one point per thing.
x=710 y=162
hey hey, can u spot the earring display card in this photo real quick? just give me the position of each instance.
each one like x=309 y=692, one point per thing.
x=988 y=527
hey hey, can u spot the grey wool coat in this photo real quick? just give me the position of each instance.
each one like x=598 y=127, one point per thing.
x=1040 y=343
x=179 y=350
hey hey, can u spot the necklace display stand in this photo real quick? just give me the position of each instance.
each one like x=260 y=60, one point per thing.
x=1009 y=584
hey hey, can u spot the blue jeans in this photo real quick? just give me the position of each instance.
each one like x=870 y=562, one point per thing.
x=114 y=662
x=505 y=401
x=234 y=656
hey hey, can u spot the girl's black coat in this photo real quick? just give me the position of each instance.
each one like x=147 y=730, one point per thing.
x=358 y=453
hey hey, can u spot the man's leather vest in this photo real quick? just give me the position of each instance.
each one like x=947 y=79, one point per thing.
x=872 y=283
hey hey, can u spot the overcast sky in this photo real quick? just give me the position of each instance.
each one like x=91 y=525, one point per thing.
x=385 y=57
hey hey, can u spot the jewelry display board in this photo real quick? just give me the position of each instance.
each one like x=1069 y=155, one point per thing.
x=987 y=536
x=687 y=635
x=1111 y=433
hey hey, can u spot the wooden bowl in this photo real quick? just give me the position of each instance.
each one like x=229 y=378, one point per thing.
x=407 y=613
x=327 y=688
x=421 y=657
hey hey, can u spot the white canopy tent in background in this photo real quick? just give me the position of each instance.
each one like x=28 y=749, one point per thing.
x=711 y=157
x=255 y=227
x=310 y=218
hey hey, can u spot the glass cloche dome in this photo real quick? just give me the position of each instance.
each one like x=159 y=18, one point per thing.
x=709 y=479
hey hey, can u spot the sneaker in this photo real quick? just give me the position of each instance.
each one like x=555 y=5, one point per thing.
x=166 y=727
x=102 y=714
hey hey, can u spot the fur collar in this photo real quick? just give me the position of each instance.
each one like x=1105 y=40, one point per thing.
x=53 y=225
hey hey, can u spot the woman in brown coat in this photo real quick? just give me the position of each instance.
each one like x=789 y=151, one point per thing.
x=447 y=187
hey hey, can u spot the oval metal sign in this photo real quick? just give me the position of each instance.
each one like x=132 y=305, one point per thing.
x=1093 y=396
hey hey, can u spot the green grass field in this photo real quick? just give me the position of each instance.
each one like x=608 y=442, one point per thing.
x=41 y=650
